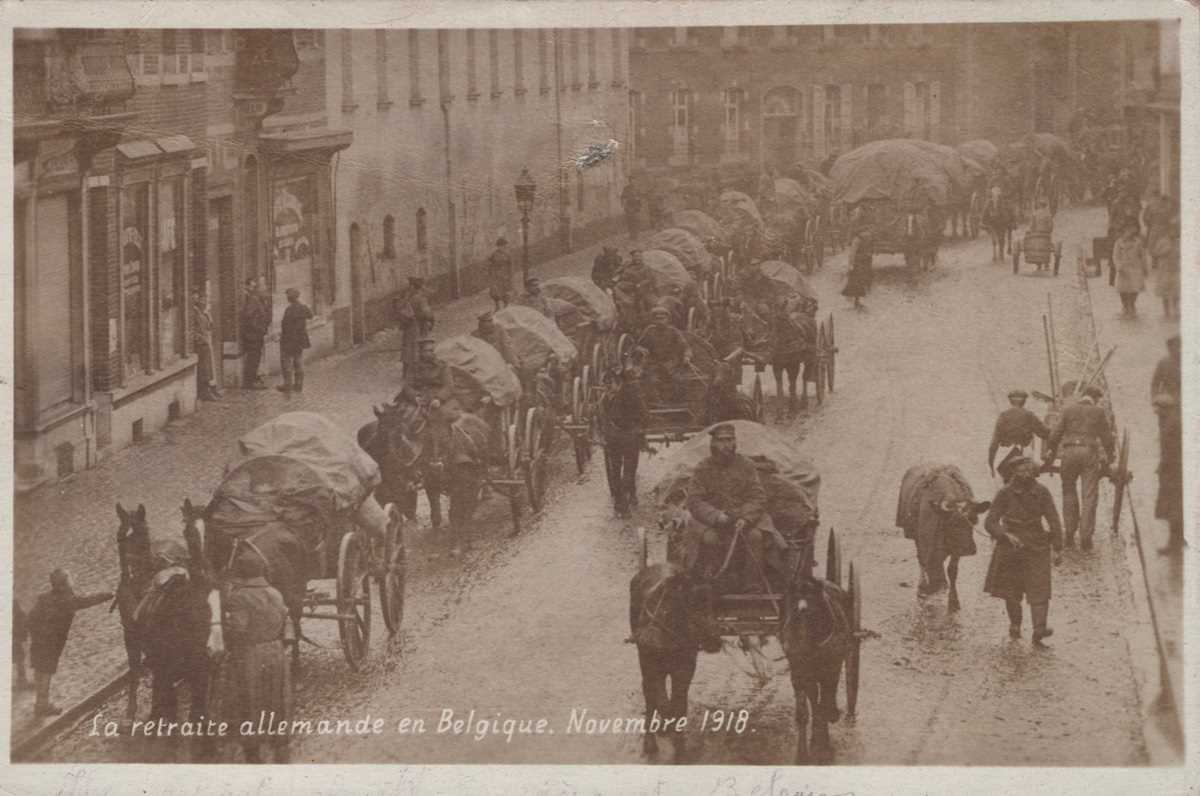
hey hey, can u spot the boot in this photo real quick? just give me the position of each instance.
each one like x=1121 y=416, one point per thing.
x=1040 y=630
x=299 y=386
x=1014 y=617
x=43 y=706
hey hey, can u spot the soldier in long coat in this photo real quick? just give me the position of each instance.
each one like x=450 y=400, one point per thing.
x=623 y=423
x=1015 y=428
x=500 y=274
x=207 y=388
x=49 y=625
x=1020 y=565
x=727 y=497
x=293 y=340
x=254 y=322
x=257 y=628
x=1169 y=503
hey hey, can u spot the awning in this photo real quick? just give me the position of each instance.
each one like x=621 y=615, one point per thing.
x=148 y=148
x=305 y=141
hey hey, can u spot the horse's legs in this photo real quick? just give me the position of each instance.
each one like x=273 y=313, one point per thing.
x=777 y=372
x=800 y=690
x=163 y=697
x=198 y=708
x=133 y=654
x=681 y=682
x=824 y=709
x=435 y=505
x=952 y=575
x=654 y=690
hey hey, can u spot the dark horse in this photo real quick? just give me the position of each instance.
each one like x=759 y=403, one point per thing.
x=671 y=620
x=999 y=221
x=170 y=624
x=133 y=551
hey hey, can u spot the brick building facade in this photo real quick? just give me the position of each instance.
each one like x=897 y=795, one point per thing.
x=444 y=121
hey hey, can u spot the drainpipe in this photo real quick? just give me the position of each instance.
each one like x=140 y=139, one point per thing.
x=451 y=224
x=563 y=232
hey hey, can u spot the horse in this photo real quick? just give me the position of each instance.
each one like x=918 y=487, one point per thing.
x=998 y=221
x=792 y=346
x=390 y=447
x=133 y=551
x=670 y=620
x=815 y=634
x=938 y=511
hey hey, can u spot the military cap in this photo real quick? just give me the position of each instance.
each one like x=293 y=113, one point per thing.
x=427 y=338
x=487 y=316
x=291 y=291
x=722 y=430
x=1018 y=462
x=1018 y=394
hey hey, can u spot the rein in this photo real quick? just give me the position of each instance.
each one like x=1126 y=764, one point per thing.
x=652 y=618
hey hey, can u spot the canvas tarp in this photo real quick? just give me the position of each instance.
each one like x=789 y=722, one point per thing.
x=792 y=193
x=901 y=170
x=928 y=482
x=1050 y=145
x=809 y=177
x=791 y=479
x=531 y=337
x=477 y=369
x=589 y=301
x=700 y=224
x=686 y=247
x=774 y=279
x=738 y=209
x=980 y=150
x=667 y=271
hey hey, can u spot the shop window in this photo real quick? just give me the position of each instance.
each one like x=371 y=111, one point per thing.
x=135 y=235
x=389 y=237
x=171 y=306
x=293 y=226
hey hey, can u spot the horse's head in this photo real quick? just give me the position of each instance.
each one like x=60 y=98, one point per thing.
x=133 y=538
x=195 y=532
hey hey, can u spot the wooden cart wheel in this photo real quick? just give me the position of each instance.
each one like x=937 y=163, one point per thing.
x=822 y=364
x=513 y=450
x=718 y=280
x=597 y=357
x=820 y=244
x=576 y=399
x=623 y=342
x=532 y=422
x=833 y=559
x=853 y=656
x=756 y=397
x=391 y=582
x=535 y=467
x=353 y=600
x=1120 y=476
x=831 y=360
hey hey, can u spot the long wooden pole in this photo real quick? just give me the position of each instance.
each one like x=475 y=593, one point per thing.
x=1053 y=348
x=1049 y=356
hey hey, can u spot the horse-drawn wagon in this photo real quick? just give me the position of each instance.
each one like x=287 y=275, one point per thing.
x=299 y=495
x=817 y=621
x=1037 y=248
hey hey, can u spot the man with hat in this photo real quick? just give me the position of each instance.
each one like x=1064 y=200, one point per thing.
x=1169 y=503
x=500 y=274
x=605 y=267
x=487 y=331
x=726 y=496
x=1016 y=426
x=623 y=421
x=415 y=319
x=1020 y=565
x=533 y=298
x=1086 y=439
x=257 y=628
x=293 y=339
x=667 y=351
x=428 y=377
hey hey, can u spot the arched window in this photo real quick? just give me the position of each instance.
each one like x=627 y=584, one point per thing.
x=389 y=237
x=422 y=239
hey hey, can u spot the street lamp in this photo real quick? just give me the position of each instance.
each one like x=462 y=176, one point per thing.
x=525 y=190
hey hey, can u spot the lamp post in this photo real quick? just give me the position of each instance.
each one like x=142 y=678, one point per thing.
x=525 y=190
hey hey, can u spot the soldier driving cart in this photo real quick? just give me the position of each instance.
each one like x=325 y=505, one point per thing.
x=667 y=353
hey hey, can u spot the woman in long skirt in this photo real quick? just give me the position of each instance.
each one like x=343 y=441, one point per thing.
x=858 y=279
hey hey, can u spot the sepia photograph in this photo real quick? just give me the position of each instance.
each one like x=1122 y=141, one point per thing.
x=722 y=390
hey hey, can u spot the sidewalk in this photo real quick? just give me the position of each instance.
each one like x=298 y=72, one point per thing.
x=73 y=523
x=1140 y=343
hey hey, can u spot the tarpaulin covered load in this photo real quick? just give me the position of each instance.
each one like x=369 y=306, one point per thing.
x=700 y=224
x=791 y=480
x=789 y=191
x=477 y=369
x=686 y=247
x=1050 y=145
x=899 y=170
x=737 y=209
x=589 y=301
x=531 y=337
x=808 y=176
x=667 y=271
x=928 y=482
x=776 y=278
x=980 y=150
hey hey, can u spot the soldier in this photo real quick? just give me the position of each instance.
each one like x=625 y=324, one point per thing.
x=605 y=268
x=415 y=319
x=533 y=298
x=727 y=497
x=293 y=339
x=1169 y=503
x=1020 y=565
x=487 y=331
x=1016 y=426
x=1087 y=443
x=429 y=375
x=624 y=420
x=207 y=388
x=254 y=323
x=49 y=624
x=500 y=273
x=667 y=350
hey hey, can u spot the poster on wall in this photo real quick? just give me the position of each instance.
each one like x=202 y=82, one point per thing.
x=293 y=212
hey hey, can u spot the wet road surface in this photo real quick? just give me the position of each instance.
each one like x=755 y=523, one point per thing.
x=532 y=627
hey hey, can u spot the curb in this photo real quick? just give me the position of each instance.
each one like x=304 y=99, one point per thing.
x=24 y=747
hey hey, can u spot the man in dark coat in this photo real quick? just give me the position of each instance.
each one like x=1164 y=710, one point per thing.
x=727 y=497
x=414 y=316
x=1167 y=376
x=254 y=322
x=207 y=388
x=487 y=331
x=293 y=339
x=633 y=291
x=624 y=418
x=49 y=624
x=1086 y=440
x=430 y=376
x=500 y=275
x=605 y=268
x=257 y=628
x=667 y=354
x=1015 y=427
x=533 y=298
x=1020 y=565
x=1169 y=503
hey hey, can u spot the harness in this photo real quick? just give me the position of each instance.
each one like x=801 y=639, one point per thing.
x=652 y=619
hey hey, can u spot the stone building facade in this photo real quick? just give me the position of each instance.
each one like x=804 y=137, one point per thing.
x=444 y=122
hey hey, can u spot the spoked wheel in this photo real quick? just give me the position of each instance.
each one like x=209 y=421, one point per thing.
x=833 y=559
x=831 y=359
x=513 y=444
x=853 y=656
x=535 y=466
x=756 y=398
x=1119 y=477
x=354 y=600
x=624 y=344
x=822 y=363
x=391 y=580
x=597 y=359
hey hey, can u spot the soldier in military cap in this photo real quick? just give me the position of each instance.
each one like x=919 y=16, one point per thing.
x=727 y=497
x=1085 y=437
x=1016 y=427
x=428 y=377
x=1020 y=565
x=667 y=352
x=533 y=298
x=623 y=421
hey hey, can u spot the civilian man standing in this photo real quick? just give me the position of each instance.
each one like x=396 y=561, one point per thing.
x=254 y=323
x=202 y=328
x=293 y=339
